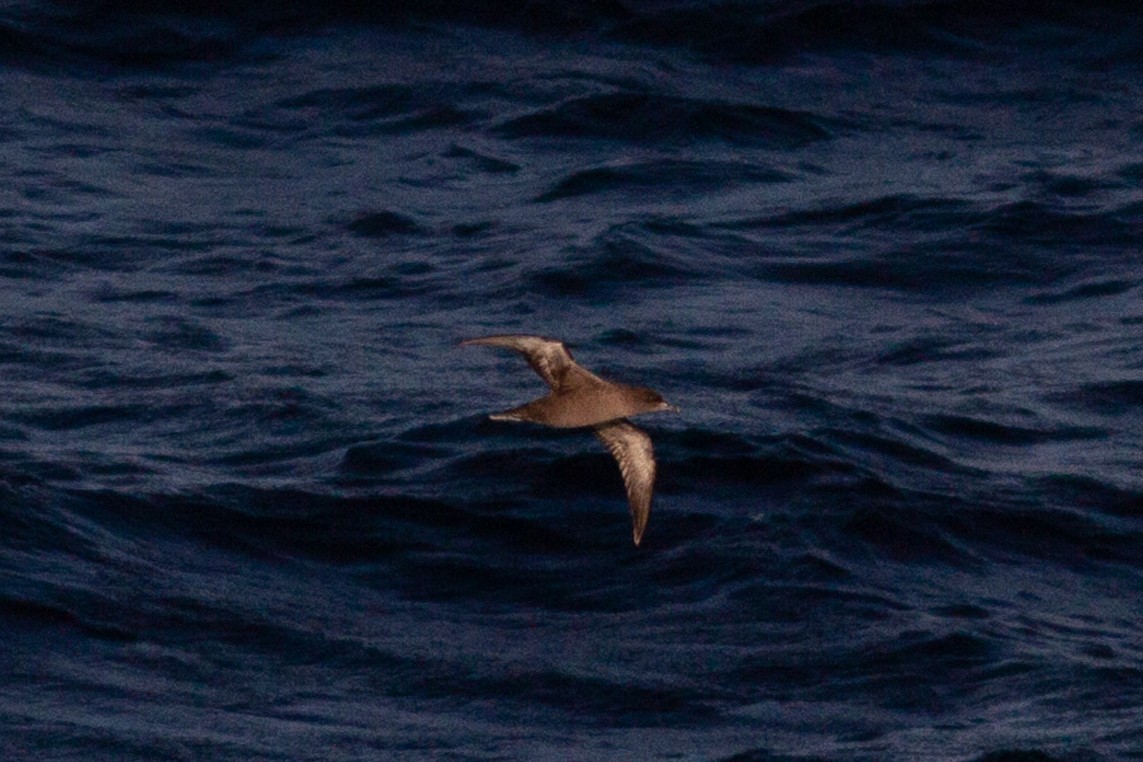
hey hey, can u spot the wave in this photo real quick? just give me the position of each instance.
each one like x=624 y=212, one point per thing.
x=359 y=112
x=1035 y=244
x=149 y=34
x=660 y=179
x=663 y=119
x=620 y=259
x=1112 y=398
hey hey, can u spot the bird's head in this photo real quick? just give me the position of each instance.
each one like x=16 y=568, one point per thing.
x=651 y=401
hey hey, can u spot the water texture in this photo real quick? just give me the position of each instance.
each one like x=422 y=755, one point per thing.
x=885 y=257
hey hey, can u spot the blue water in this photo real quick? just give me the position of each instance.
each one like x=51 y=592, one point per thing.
x=885 y=257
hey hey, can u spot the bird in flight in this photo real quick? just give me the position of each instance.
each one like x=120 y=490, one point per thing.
x=578 y=399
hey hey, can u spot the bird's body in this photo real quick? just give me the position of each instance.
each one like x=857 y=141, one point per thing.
x=579 y=398
x=576 y=408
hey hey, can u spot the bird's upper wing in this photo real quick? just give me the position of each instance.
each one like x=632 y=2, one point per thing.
x=548 y=357
x=632 y=448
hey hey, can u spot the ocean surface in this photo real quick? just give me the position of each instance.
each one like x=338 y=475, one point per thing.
x=886 y=257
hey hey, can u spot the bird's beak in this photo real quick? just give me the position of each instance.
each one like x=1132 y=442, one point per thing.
x=670 y=408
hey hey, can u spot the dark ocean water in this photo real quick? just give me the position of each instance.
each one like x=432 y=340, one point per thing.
x=886 y=257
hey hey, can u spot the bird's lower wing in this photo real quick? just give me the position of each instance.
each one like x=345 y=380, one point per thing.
x=632 y=449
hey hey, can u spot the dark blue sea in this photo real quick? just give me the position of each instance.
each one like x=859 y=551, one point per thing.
x=886 y=258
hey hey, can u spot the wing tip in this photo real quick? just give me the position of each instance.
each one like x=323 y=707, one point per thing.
x=507 y=339
x=476 y=340
x=639 y=521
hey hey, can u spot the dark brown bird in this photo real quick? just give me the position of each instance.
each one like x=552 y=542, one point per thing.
x=579 y=398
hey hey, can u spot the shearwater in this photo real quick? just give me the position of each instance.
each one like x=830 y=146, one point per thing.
x=578 y=399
